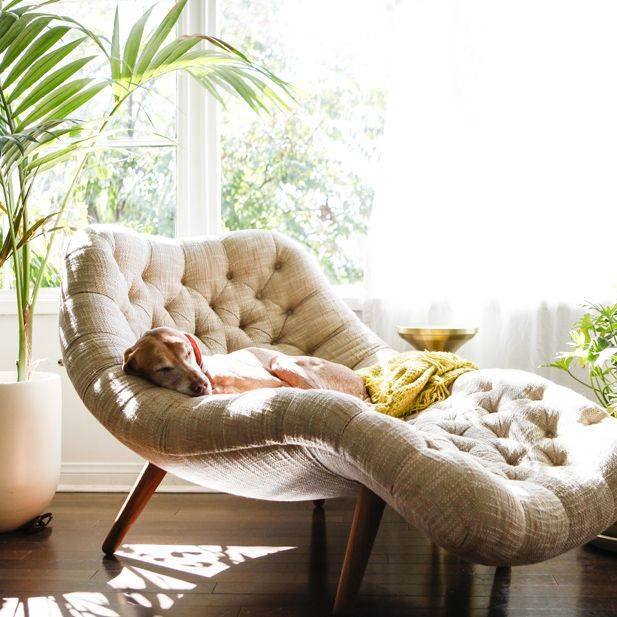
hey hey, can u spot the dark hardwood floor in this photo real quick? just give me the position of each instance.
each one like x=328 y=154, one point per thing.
x=216 y=555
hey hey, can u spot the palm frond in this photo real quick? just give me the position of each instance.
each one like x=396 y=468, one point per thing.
x=44 y=94
x=220 y=68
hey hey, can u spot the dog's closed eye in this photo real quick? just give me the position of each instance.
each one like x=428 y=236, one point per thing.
x=165 y=369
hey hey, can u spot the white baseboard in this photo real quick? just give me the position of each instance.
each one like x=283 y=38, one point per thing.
x=115 y=478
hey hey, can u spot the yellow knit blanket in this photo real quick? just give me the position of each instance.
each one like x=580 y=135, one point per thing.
x=411 y=381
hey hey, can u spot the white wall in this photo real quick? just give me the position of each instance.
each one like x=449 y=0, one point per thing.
x=91 y=458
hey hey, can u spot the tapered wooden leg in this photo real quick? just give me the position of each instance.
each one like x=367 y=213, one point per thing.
x=366 y=519
x=149 y=479
x=318 y=503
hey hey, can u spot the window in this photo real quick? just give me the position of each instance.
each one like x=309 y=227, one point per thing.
x=308 y=173
x=131 y=179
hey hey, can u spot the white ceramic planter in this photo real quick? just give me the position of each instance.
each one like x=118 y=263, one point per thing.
x=30 y=423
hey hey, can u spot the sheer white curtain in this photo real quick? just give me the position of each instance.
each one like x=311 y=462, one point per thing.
x=497 y=205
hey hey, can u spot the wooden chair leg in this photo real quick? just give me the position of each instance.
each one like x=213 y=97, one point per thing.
x=148 y=481
x=319 y=503
x=366 y=519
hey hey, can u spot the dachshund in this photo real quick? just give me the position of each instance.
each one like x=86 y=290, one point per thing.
x=172 y=359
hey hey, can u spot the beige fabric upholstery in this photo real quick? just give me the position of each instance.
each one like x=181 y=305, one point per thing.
x=510 y=469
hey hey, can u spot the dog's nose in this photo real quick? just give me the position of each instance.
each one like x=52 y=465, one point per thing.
x=198 y=388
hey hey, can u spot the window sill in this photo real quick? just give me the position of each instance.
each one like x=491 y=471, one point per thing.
x=49 y=300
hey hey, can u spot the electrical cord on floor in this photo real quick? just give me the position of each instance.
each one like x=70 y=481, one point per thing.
x=37 y=524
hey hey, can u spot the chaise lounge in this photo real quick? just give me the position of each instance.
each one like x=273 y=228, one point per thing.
x=511 y=469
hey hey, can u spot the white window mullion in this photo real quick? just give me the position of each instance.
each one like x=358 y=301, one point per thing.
x=198 y=162
x=213 y=141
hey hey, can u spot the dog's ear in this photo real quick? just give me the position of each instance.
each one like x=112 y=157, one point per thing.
x=129 y=365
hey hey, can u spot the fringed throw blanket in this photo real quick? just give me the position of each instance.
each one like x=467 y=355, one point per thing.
x=410 y=382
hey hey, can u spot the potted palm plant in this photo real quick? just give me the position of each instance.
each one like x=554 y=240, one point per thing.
x=46 y=84
x=593 y=348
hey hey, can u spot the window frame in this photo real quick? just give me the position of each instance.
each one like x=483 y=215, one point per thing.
x=198 y=163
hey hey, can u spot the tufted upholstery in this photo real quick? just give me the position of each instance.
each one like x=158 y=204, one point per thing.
x=510 y=469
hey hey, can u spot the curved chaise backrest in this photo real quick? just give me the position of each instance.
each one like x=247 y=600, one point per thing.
x=238 y=290
x=247 y=288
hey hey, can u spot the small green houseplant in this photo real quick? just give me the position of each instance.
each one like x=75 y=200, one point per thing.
x=593 y=347
x=46 y=83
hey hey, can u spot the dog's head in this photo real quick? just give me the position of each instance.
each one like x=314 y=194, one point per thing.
x=166 y=357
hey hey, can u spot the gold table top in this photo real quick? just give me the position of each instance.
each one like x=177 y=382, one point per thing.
x=436 y=338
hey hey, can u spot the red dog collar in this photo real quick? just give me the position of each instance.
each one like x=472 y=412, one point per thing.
x=195 y=347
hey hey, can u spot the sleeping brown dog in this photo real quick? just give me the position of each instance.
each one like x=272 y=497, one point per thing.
x=172 y=359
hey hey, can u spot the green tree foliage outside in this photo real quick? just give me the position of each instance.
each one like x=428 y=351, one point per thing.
x=280 y=175
x=302 y=173
x=135 y=187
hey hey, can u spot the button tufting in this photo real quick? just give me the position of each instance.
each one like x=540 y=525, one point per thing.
x=278 y=265
x=258 y=295
x=592 y=415
x=514 y=459
x=534 y=393
x=289 y=312
x=486 y=405
x=230 y=276
x=275 y=341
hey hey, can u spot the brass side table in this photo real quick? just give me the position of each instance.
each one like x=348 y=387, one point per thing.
x=436 y=338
